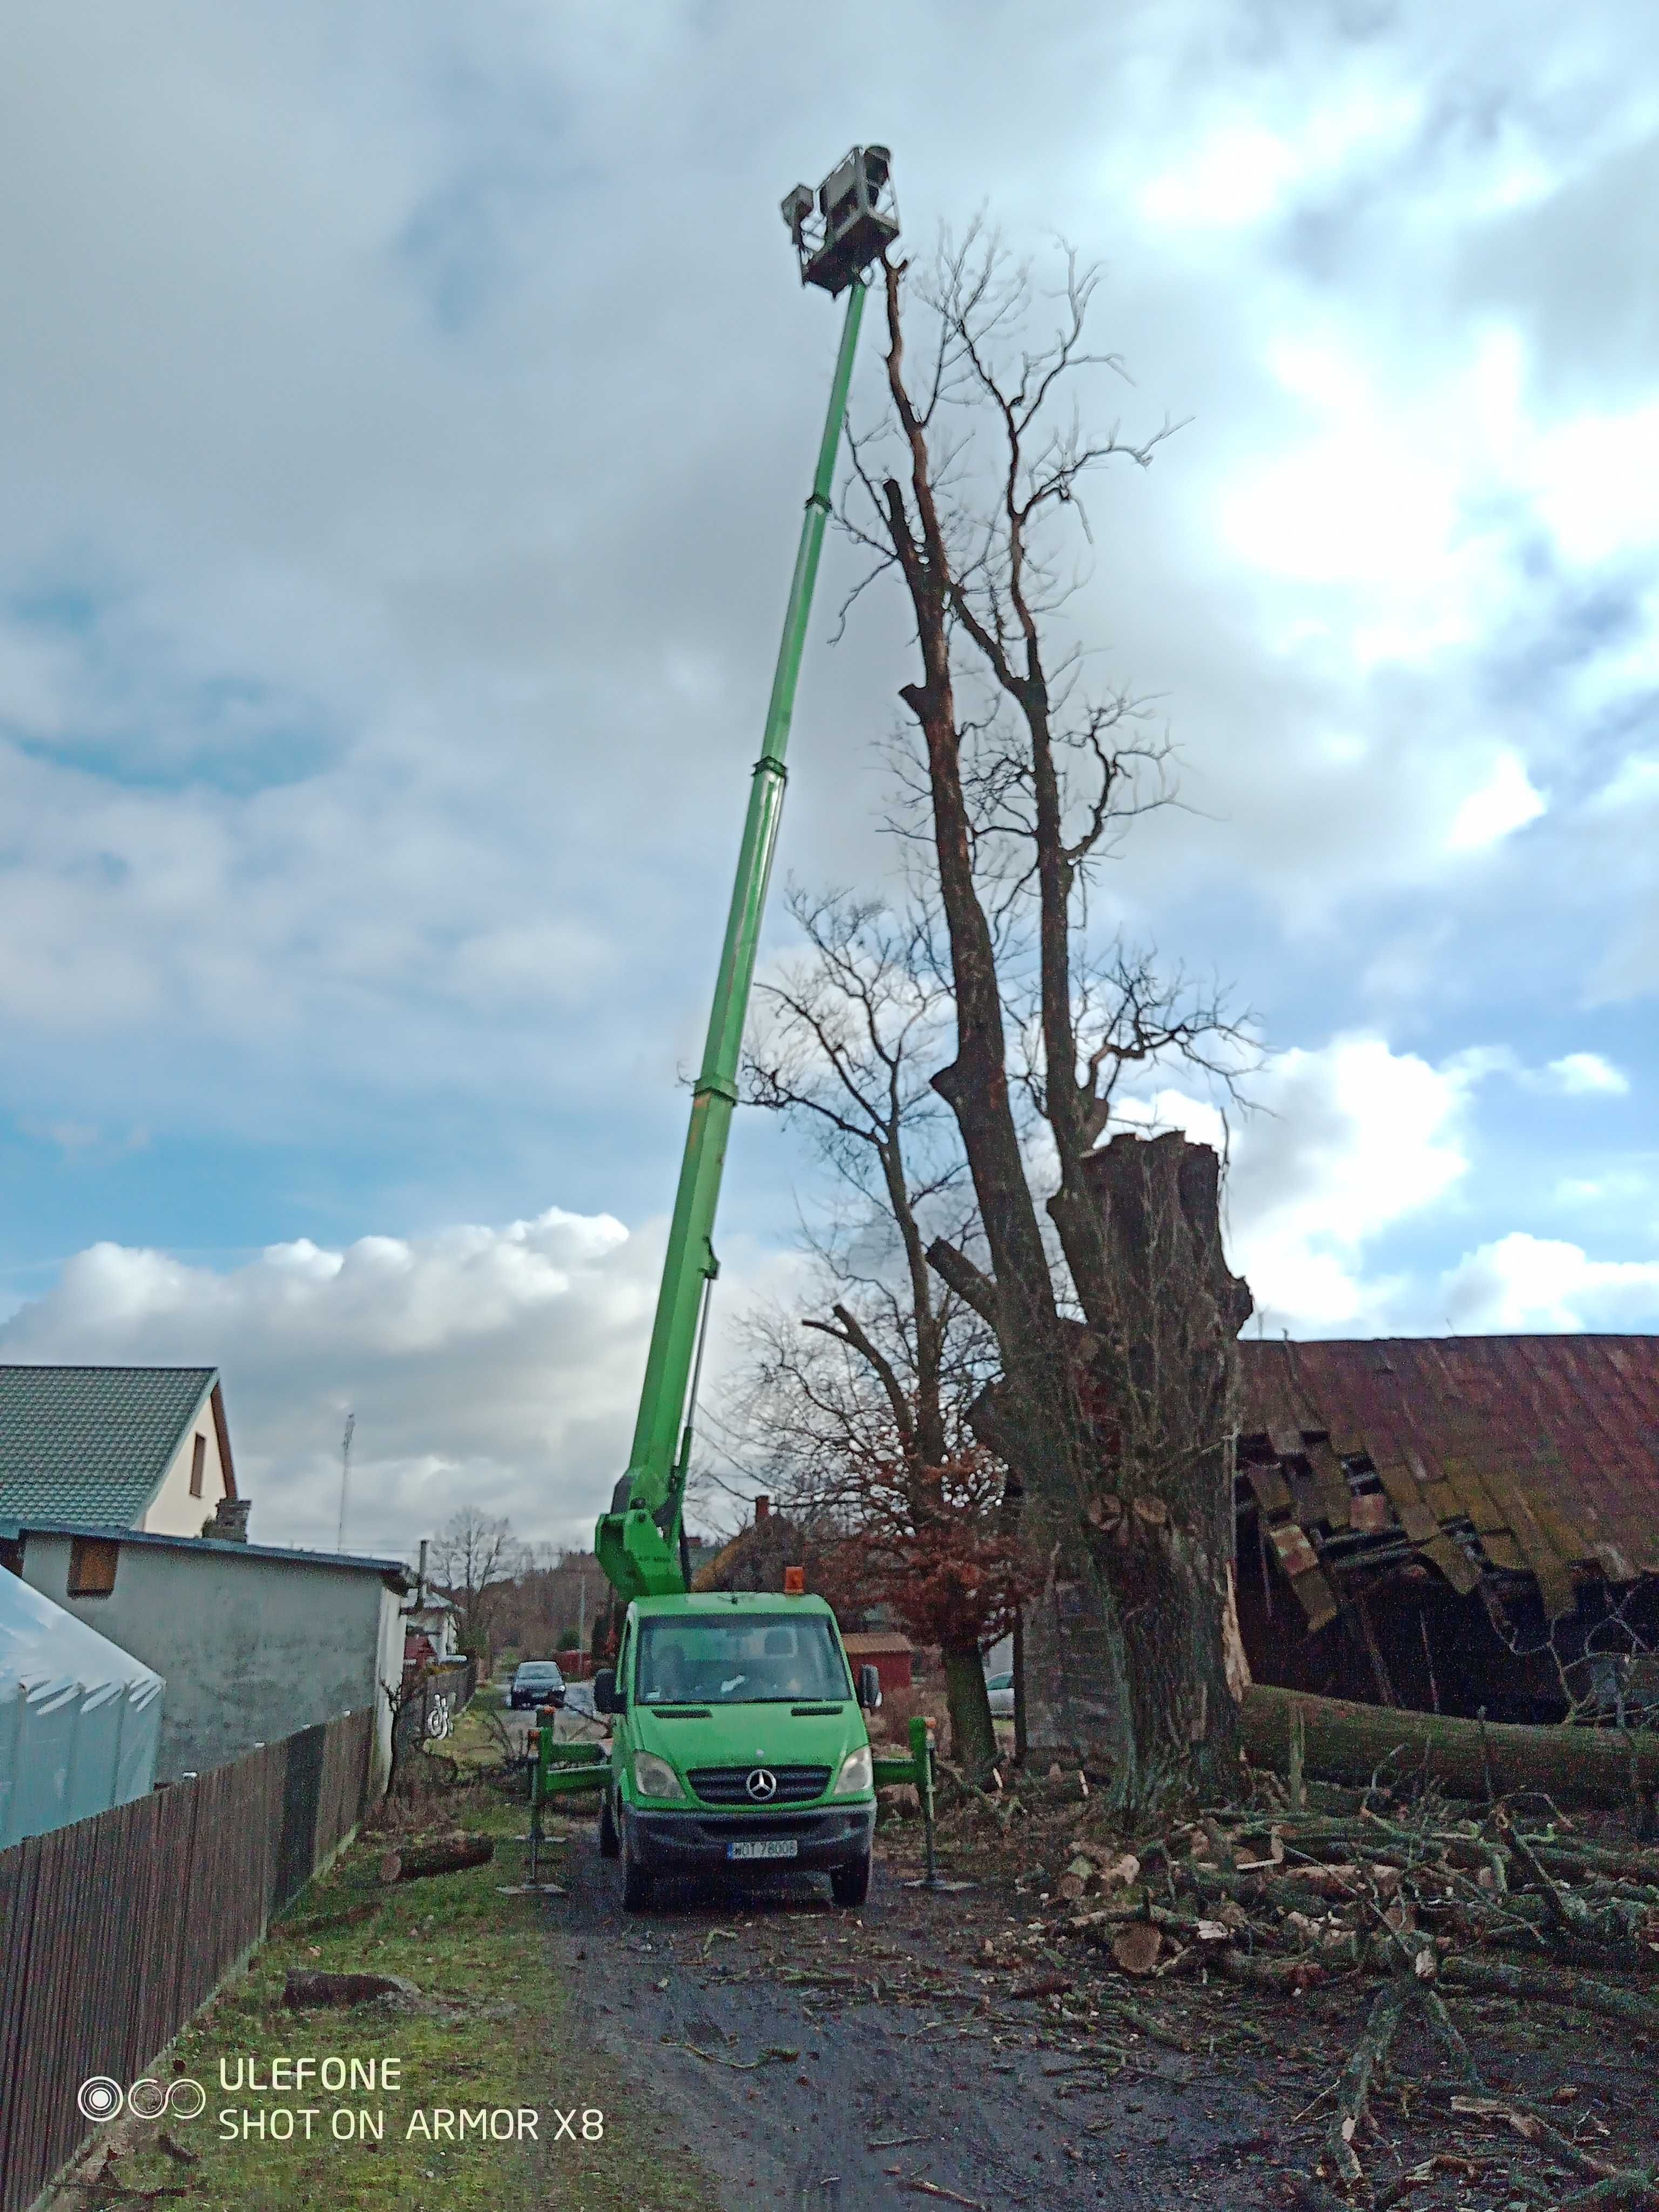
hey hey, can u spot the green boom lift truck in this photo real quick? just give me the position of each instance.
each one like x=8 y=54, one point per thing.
x=738 y=1731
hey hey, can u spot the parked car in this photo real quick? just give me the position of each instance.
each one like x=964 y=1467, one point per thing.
x=536 y=1682
x=1001 y=1691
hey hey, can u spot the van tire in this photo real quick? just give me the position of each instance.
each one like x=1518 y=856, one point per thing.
x=610 y=1841
x=850 y=1884
x=638 y=1882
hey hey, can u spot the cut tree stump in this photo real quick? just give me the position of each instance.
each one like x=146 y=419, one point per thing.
x=1347 y=1742
x=416 y=1863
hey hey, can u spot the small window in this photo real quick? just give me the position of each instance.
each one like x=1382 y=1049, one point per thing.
x=92 y=1567
x=11 y=1554
x=197 y=1460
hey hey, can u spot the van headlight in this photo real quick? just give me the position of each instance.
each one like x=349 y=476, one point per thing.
x=654 y=1777
x=856 y=1776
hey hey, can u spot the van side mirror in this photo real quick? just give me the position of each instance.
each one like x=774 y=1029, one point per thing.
x=606 y=1698
x=870 y=1688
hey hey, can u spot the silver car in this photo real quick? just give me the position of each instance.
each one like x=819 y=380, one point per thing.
x=1000 y=1688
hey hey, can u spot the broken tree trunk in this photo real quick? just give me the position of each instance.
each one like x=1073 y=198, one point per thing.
x=1479 y=1759
x=1136 y=1646
x=1165 y=1311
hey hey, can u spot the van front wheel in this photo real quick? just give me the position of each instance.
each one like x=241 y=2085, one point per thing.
x=637 y=1881
x=850 y=1884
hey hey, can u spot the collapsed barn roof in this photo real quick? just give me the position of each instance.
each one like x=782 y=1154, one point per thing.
x=1526 y=1455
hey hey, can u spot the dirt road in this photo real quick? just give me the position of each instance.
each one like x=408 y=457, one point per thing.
x=817 y=2059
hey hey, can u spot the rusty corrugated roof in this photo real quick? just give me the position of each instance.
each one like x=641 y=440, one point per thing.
x=1548 y=1444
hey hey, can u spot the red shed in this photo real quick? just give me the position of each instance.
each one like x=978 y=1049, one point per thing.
x=888 y=1652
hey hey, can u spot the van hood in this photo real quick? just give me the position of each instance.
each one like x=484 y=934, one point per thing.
x=689 y=1736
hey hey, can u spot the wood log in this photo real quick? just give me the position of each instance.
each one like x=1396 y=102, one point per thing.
x=1349 y=1742
x=302 y=1992
x=416 y=1863
x=1540 y=1985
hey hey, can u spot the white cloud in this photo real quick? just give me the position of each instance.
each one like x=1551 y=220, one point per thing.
x=1359 y=1141
x=1574 y=1075
x=1523 y=1282
x=1362 y=1138
x=1598 y=483
x=1353 y=1138
x=497 y=1366
x=1578 y=1074
x=1505 y=802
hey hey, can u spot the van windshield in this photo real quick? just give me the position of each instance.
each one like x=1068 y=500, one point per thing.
x=753 y=1658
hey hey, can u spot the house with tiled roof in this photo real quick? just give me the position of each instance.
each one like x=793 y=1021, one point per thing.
x=140 y=1448
x=118 y=1504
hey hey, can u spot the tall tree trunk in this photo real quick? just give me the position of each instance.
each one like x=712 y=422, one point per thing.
x=973 y=1737
x=1119 y=1433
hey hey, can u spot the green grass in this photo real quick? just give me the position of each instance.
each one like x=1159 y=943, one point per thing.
x=492 y=2031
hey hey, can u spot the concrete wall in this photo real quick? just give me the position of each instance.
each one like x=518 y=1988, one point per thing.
x=173 y=1511
x=251 y=1648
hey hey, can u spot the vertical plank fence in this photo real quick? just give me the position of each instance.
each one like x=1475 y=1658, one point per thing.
x=116 y=1930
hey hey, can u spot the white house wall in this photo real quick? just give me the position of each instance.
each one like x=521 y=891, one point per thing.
x=173 y=1511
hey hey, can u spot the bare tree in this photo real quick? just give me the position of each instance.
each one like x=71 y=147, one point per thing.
x=865 y=1419
x=1114 y=1406
x=472 y=1559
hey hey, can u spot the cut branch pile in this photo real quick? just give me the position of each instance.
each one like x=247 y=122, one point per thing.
x=1284 y=1903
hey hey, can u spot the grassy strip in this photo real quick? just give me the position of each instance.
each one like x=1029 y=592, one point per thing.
x=490 y=2032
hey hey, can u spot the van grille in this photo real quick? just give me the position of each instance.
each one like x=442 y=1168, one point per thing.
x=729 y=1785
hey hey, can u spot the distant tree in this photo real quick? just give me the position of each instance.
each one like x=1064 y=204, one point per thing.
x=473 y=1560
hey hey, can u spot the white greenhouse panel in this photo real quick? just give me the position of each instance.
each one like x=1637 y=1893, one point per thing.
x=79 y=1719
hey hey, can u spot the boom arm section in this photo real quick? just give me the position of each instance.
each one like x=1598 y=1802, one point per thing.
x=639 y=1542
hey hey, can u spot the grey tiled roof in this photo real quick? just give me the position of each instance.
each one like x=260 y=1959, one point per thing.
x=92 y=1443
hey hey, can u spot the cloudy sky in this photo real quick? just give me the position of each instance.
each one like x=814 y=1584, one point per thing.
x=405 y=414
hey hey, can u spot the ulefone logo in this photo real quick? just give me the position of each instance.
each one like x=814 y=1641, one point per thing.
x=100 y=2099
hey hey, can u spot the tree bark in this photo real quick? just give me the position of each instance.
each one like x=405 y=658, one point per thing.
x=973 y=1736
x=1347 y=1742
x=1142 y=1536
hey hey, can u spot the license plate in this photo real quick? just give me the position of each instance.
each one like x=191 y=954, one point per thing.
x=763 y=1847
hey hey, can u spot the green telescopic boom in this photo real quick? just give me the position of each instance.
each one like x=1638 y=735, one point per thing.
x=639 y=1541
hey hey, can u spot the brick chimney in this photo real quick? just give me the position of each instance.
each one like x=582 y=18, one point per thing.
x=229 y=1522
x=762 y=1508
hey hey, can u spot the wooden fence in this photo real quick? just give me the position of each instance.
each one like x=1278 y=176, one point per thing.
x=114 y=1931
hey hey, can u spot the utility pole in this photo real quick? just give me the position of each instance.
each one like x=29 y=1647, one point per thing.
x=345 y=1477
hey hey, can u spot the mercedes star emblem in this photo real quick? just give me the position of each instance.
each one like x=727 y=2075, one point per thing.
x=761 y=1784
